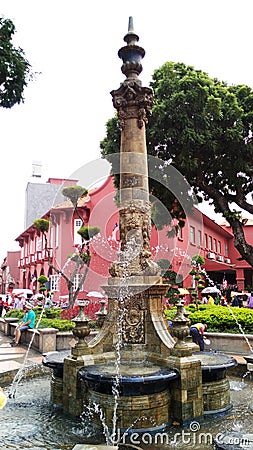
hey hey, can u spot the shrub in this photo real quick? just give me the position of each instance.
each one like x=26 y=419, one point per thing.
x=61 y=325
x=219 y=318
x=15 y=313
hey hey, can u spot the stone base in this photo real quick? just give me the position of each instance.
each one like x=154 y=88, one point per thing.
x=56 y=390
x=134 y=412
x=216 y=396
x=186 y=391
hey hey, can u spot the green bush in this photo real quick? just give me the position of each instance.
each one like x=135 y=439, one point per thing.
x=219 y=318
x=61 y=325
x=17 y=313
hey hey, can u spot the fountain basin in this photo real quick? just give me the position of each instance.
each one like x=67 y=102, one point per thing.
x=55 y=361
x=215 y=385
x=214 y=365
x=139 y=391
x=137 y=379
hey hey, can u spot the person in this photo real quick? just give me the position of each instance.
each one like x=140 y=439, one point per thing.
x=235 y=302
x=28 y=321
x=217 y=300
x=250 y=301
x=20 y=302
x=197 y=333
x=210 y=300
x=204 y=300
x=1 y=306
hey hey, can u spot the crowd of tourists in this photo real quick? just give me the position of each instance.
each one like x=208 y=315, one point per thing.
x=235 y=300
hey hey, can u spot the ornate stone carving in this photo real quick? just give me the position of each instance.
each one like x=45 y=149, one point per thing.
x=135 y=255
x=132 y=101
x=133 y=323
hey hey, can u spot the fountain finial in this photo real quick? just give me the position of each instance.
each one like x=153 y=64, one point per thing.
x=131 y=54
x=131 y=37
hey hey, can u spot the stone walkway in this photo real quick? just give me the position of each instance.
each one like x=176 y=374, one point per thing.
x=13 y=358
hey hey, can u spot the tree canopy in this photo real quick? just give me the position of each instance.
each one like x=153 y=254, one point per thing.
x=15 y=70
x=203 y=128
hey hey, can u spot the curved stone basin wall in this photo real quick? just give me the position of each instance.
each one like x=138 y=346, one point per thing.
x=143 y=393
x=215 y=385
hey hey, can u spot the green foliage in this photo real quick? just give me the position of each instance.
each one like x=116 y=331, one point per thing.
x=52 y=313
x=42 y=279
x=198 y=259
x=172 y=295
x=74 y=193
x=203 y=128
x=60 y=324
x=15 y=70
x=42 y=288
x=17 y=313
x=88 y=233
x=218 y=318
x=41 y=225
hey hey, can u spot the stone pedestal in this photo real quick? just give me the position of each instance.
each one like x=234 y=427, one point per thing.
x=186 y=391
x=56 y=394
x=72 y=399
x=47 y=339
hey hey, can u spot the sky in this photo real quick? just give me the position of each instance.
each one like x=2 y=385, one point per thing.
x=72 y=46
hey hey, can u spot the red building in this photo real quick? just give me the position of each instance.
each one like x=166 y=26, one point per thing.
x=201 y=235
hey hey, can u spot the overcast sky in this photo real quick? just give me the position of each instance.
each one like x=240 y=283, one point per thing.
x=73 y=45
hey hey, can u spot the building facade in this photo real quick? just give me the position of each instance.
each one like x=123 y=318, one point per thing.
x=201 y=235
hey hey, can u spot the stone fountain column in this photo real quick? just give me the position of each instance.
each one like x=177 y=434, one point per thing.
x=135 y=322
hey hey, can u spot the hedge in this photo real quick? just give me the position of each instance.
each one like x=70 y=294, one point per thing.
x=51 y=318
x=219 y=318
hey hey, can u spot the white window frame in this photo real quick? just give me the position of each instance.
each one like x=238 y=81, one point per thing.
x=54 y=282
x=199 y=238
x=77 y=281
x=77 y=237
x=192 y=235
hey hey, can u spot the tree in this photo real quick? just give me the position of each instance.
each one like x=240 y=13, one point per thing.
x=15 y=70
x=203 y=127
x=81 y=258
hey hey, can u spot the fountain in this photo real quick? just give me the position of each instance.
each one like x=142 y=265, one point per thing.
x=31 y=421
x=136 y=375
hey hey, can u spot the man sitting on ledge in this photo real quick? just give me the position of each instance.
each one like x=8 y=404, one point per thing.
x=28 y=322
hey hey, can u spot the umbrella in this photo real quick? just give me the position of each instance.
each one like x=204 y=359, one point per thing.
x=210 y=290
x=183 y=291
x=236 y=294
x=95 y=294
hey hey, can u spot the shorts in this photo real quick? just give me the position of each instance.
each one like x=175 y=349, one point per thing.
x=23 y=328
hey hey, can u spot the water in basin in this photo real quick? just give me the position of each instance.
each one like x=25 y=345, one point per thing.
x=30 y=421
